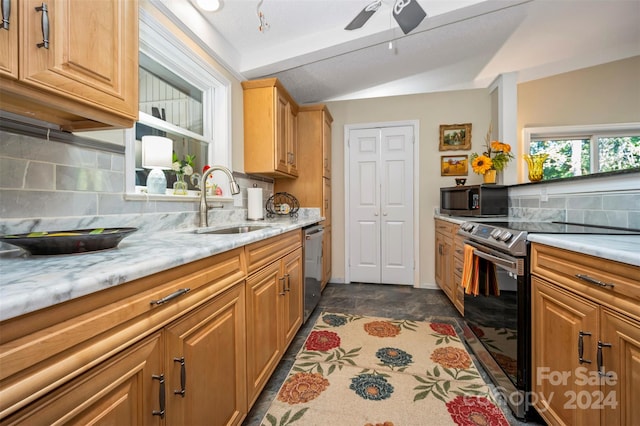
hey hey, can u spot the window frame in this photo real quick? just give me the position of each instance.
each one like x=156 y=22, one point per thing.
x=591 y=132
x=161 y=45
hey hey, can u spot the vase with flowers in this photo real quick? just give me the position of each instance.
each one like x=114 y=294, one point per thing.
x=494 y=158
x=182 y=168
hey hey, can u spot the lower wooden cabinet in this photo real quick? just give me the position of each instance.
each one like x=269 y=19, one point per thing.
x=205 y=363
x=274 y=315
x=585 y=338
x=120 y=391
x=448 y=262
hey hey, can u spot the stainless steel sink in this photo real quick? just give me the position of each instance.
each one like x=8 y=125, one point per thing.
x=232 y=229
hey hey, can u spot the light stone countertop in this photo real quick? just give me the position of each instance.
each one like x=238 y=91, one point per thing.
x=620 y=248
x=29 y=283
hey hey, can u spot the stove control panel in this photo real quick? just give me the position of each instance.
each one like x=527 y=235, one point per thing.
x=508 y=240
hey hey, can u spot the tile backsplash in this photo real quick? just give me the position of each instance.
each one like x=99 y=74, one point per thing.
x=610 y=208
x=44 y=181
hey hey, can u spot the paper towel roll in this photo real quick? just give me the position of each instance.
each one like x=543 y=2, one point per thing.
x=254 y=203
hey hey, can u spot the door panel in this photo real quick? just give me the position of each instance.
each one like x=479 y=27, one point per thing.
x=397 y=205
x=381 y=205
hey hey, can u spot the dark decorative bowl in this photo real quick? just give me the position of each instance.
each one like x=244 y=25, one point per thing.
x=67 y=242
x=461 y=181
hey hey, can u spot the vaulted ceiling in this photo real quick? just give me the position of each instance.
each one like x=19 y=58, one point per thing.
x=461 y=44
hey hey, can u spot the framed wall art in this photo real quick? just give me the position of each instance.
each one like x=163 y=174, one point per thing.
x=455 y=137
x=454 y=165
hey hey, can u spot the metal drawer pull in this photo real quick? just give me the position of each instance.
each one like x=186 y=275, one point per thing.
x=161 y=411
x=183 y=377
x=6 y=14
x=601 y=371
x=590 y=280
x=172 y=296
x=45 y=25
x=581 y=347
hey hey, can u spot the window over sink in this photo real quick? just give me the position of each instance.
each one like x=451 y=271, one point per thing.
x=183 y=98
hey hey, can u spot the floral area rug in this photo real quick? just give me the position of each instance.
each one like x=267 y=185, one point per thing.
x=355 y=370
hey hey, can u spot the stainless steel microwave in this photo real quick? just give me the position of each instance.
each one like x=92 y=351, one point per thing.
x=474 y=200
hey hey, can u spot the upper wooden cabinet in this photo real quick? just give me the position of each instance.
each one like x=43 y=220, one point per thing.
x=270 y=129
x=72 y=62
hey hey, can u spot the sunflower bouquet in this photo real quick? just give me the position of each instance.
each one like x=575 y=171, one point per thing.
x=495 y=157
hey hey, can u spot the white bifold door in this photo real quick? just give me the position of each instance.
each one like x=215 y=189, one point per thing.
x=380 y=222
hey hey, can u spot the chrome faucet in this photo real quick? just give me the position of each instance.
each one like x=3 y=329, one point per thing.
x=235 y=189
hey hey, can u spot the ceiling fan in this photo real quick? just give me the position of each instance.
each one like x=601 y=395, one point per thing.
x=407 y=13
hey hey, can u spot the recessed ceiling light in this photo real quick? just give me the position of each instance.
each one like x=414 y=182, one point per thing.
x=208 y=5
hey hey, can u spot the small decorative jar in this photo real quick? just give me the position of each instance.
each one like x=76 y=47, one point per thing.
x=536 y=166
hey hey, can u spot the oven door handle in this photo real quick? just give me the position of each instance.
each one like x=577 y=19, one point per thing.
x=511 y=266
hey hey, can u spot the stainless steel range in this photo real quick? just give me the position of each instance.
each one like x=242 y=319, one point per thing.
x=498 y=319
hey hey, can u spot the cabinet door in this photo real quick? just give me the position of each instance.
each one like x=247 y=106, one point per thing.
x=206 y=382
x=326 y=256
x=292 y=306
x=282 y=111
x=621 y=362
x=325 y=209
x=326 y=146
x=92 y=51
x=292 y=142
x=120 y=391
x=444 y=264
x=264 y=290
x=558 y=319
x=9 y=43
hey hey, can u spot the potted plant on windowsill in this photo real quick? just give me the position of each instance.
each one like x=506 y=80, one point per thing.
x=494 y=159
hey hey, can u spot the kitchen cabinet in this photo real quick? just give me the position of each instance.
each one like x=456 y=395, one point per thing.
x=585 y=338
x=312 y=188
x=270 y=129
x=72 y=62
x=274 y=305
x=109 y=356
x=445 y=272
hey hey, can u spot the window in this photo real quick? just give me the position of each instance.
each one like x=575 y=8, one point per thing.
x=578 y=151
x=182 y=97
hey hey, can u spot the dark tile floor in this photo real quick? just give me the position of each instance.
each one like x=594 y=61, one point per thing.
x=381 y=300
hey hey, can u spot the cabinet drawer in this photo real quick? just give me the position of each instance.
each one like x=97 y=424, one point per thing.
x=46 y=348
x=620 y=282
x=263 y=252
x=445 y=227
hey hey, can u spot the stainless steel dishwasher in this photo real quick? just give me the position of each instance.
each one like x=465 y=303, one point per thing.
x=313 y=252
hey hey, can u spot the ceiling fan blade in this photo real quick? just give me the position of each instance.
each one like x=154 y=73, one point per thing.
x=362 y=17
x=408 y=14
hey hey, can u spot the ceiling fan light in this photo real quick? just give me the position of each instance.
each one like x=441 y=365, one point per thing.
x=208 y=5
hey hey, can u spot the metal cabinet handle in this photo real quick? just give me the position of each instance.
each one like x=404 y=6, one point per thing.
x=183 y=377
x=45 y=25
x=601 y=371
x=288 y=277
x=283 y=286
x=594 y=281
x=173 y=295
x=161 y=399
x=581 y=347
x=6 y=14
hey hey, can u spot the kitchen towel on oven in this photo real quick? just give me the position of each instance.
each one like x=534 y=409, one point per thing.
x=478 y=274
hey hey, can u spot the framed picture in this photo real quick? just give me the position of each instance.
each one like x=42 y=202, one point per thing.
x=454 y=165
x=455 y=137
